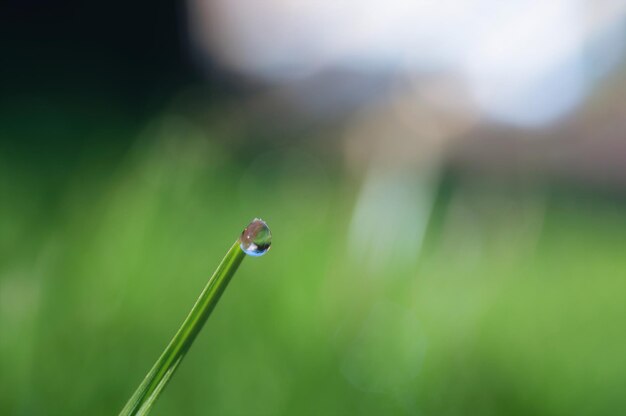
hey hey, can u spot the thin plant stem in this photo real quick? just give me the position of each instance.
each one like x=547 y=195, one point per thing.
x=143 y=399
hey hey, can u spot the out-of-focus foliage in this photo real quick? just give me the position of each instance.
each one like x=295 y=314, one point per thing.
x=515 y=305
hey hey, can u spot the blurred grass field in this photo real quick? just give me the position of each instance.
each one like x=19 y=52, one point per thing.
x=514 y=306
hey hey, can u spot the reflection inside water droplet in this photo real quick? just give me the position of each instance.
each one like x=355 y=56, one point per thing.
x=256 y=239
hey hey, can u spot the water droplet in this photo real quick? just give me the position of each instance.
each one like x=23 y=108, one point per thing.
x=256 y=238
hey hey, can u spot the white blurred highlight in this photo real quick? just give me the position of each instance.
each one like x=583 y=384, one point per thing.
x=525 y=62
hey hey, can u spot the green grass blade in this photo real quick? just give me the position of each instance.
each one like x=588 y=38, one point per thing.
x=142 y=400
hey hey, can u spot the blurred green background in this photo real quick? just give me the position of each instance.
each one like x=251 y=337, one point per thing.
x=125 y=175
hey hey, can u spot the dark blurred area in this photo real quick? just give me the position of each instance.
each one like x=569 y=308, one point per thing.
x=444 y=182
x=122 y=50
x=65 y=64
